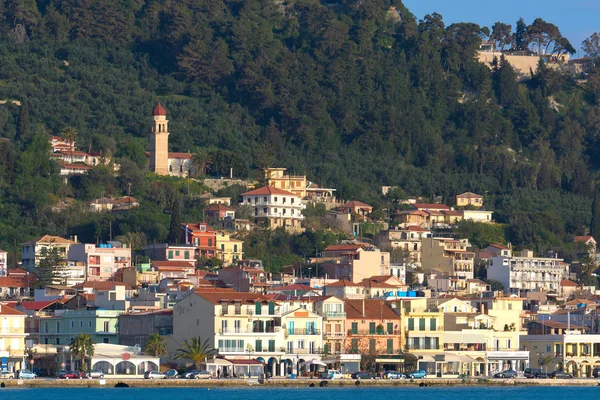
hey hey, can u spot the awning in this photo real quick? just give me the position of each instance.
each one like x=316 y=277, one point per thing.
x=452 y=357
x=390 y=360
x=423 y=357
x=219 y=361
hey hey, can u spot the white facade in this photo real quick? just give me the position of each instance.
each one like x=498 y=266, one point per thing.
x=3 y=263
x=102 y=261
x=478 y=216
x=281 y=208
x=526 y=273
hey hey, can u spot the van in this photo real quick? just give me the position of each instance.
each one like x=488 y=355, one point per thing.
x=596 y=372
x=332 y=374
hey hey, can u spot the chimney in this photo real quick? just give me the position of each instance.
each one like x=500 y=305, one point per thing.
x=363 y=310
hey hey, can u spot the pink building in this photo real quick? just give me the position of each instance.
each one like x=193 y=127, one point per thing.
x=102 y=261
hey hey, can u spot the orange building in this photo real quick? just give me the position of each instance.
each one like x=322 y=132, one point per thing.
x=202 y=236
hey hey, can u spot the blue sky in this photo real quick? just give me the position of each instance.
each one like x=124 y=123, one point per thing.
x=576 y=19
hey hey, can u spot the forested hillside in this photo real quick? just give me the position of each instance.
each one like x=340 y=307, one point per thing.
x=352 y=94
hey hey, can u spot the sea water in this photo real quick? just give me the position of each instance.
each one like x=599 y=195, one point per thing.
x=306 y=393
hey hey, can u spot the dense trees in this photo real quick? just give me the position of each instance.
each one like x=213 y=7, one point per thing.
x=356 y=96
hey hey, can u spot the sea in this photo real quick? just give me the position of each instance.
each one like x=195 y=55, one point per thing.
x=315 y=393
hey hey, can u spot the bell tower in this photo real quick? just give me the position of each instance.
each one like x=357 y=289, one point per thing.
x=159 y=142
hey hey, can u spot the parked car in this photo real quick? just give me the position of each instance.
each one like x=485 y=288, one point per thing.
x=172 y=374
x=202 y=375
x=4 y=374
x=60 y=372
x=94 y=374
x=332 y=374
x=26 y=374
x=560 y=375
x=153 y=375
x=394 y=375
x=509 y=373
x=418 y=374
x=536 y=373
x=362 y=375
x=190 y=374
x=596 y=372
x=71 y=375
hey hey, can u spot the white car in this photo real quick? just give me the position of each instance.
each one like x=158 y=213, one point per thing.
x=333 y=374
x=4 y=374
x=153 y=375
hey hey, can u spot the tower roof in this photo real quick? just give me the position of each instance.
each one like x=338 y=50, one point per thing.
x=159 y=110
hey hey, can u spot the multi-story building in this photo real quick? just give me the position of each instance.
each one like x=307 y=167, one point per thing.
x=344 y=289
x=33 y=250
x=244 y=279
x=277 y=178
x=573 y=352
x=276 y=207
x=102 y=260
x=469 y=199
x=302 y=330
x=12 y=338
x=358 y=265
x=62 y=327
x=408 y=239
x=218 y=212
x=202 y=236
x=168 y=252
x=334 y=320
x=526 y=272
x=3 y=263
x=136 y=327
x=231 y=250
x=450 y=256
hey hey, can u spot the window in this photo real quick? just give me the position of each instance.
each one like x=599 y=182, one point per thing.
x=186 y=254
x=421 y=324
x=81 y=324
x=222 y=247
x=177 y=253
x=170 y=254
x=411 y=324
x=105 y=340
x=235 y=248
x=301 y=343
x=57 y=327
x=258 y=345
x=72 y=324
x=292 y=200
x=548 y=348
x=89 y=324
x=433 y=324
x=390 y=346
x=258 y=308
x=265 y=199
x=271 y=346
x=372 y=346
x=57 y=340
x=354 y=346
x=275 y=199
x=196 y=242
x=390 y=328
x=354 y=328
x=264 y=210
x=371 y=328
x=510 y=306
x=271 y=308
x=106 y=326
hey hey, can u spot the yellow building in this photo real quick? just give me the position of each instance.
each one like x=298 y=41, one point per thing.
x=12 y=338
x=231 y=249
x=277 y=178
x=469 y=199
x=450 y=256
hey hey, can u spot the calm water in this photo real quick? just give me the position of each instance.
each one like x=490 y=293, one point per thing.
x=317 y=393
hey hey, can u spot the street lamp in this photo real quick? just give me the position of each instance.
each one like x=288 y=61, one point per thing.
x=249 y=351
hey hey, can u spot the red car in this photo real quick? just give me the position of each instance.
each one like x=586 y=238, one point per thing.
x=70 y=375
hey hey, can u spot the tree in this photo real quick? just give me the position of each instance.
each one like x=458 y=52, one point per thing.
x=49 y=267
x=70 y=135
x=521 y=36
x=591 y=45
x=501 y=35
x=495 y=285
x=202 y=161
x=543 y=34
x=156 y=345
x=595 y=223
x=196 y=350
x=175 y=225
x=23 y=121
x=82 y=346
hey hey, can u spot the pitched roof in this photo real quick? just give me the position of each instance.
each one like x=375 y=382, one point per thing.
x=296 y=286
x=430 y=206
x=159 y=110
x=342 y=283
x=172 y=264
x=469 y=195
x=101 y=285
x=568 y=282
x=583 y=239
x=218 y=207
x=6 y=310
x=37 y=305
x=182 y=156
x=49 y=239
x=415 y=228
x=374 y=309
x=268 y=190
x=355 y=204
x=345 y=247
x=216 y=297
x=12 y=282
x=499 y=246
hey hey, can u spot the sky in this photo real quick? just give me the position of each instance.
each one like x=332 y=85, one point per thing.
x=576 y=19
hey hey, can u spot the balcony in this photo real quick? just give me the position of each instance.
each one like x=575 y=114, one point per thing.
x=235 y=331
x=328 y=314
x=335 y=335
x=303 y=332
x=12 y=331
x=368 y=332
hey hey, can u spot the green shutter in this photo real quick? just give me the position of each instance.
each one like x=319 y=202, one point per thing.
x=354 y=346
x=271 y=308
x=411 y=324
x=433 y=324
x=390 y=328
x=421 y=324
x=390 y=346
x=258 y=345
x=271 y=346
x=372 y=346
x=258 y=307
x=187 y=255
x=326 y=348
x=170 y=254
x=354 y=328
x=427 y=343
x=371 y=328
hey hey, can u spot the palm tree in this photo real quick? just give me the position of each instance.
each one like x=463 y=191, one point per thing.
x=156 y=345
x=82 y=346
x=202 y=161
x=193 y=349
x=70 y=135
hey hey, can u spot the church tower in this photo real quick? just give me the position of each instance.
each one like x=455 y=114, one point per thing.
x=159 y=142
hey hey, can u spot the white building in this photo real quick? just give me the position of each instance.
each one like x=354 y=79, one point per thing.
x=526 y=272
x=33 y=250
x=276 y=207
x=478 y=216
x=3 y=263
x=408 y=239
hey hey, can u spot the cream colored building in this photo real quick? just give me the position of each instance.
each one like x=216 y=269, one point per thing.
x=276 y=207
x=277 y=178
x=481 y=216
x=469 y=199
x=334 y=319
x=231 y=249
x=12 y=338
x=450 y=256
x=33 y=250
x=408 y=239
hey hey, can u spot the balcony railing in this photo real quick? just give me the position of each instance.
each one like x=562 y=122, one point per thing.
x=334 y=314
x=422 y=347
x=240 y=350
x=12 y=331
x=335 y=334
x=227 y=331
x=303 y=331
x=366 y=332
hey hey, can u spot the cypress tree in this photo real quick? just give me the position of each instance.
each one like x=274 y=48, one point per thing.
x=595 y=224
x=23 y=122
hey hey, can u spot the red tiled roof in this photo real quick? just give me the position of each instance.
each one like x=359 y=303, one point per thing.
x=49 y=239
x=296 y=286
x=452 y=212
x=499 y=246
x=159 y=110
x=220 y=295
x=342 y=283
x=172 y=264
x=6 y=310
x=469 y=195
x=76 y=166
x=268 y=190
x=101 y=285
x=430 y=206
x=344 y=247
x=567 y=282
x=583 y=238
x=355 y=204
x=37 y=305
x=182 y=156
x=415 y=228
x=218 y=207
x=9 y=282
x=374 y=309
